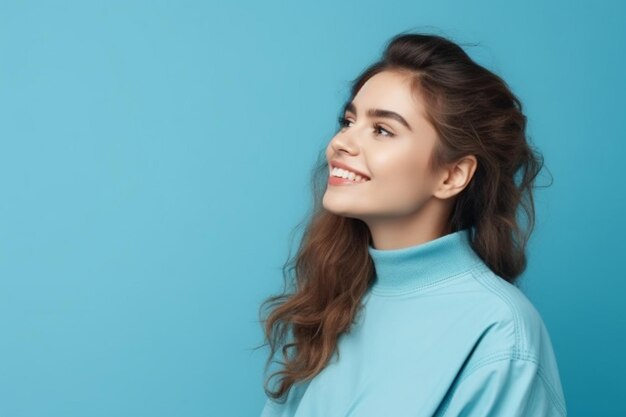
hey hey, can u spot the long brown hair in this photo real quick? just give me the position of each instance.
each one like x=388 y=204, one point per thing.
x=473 y=112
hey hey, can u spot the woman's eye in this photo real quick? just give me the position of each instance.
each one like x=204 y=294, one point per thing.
x=343 y=122
x=379 y=128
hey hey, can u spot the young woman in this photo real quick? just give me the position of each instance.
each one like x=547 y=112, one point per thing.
x=404 y=300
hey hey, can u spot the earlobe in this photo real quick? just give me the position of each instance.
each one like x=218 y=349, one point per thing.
x=456 y=177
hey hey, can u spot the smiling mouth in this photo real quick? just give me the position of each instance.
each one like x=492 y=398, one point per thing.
x=342 y=174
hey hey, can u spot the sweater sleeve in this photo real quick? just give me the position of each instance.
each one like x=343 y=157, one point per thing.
x=505 y=388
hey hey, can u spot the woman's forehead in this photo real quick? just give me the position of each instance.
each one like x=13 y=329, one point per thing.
x=393 y=91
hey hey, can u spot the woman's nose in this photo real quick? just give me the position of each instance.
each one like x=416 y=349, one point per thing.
x=346 y=141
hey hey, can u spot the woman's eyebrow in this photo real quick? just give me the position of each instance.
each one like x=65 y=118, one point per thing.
x=379 y=113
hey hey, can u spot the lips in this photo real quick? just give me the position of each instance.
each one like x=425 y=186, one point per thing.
x=337 y=164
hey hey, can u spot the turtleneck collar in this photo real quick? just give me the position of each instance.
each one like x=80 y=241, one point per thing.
x=420 y=266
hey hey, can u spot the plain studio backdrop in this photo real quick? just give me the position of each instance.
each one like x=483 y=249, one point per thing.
x=155 y=156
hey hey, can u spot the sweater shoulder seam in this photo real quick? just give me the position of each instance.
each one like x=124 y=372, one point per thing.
x=510 y=356
x=480 y=275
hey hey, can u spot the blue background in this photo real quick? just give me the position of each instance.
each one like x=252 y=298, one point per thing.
x=155 y=156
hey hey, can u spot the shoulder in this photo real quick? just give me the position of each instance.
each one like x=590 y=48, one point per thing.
x=512 y=326
x=513 y=339
x=513 y=331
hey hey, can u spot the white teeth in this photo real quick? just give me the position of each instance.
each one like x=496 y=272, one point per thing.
x=342 y=173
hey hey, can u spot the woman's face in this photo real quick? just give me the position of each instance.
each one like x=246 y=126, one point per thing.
x=378 y=144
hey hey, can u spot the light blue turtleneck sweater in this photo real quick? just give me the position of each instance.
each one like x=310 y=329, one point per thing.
x=439 y=335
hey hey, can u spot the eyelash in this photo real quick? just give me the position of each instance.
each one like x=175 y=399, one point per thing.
x=343 y=121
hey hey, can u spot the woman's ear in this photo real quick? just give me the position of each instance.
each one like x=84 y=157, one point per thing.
x=456 y=177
